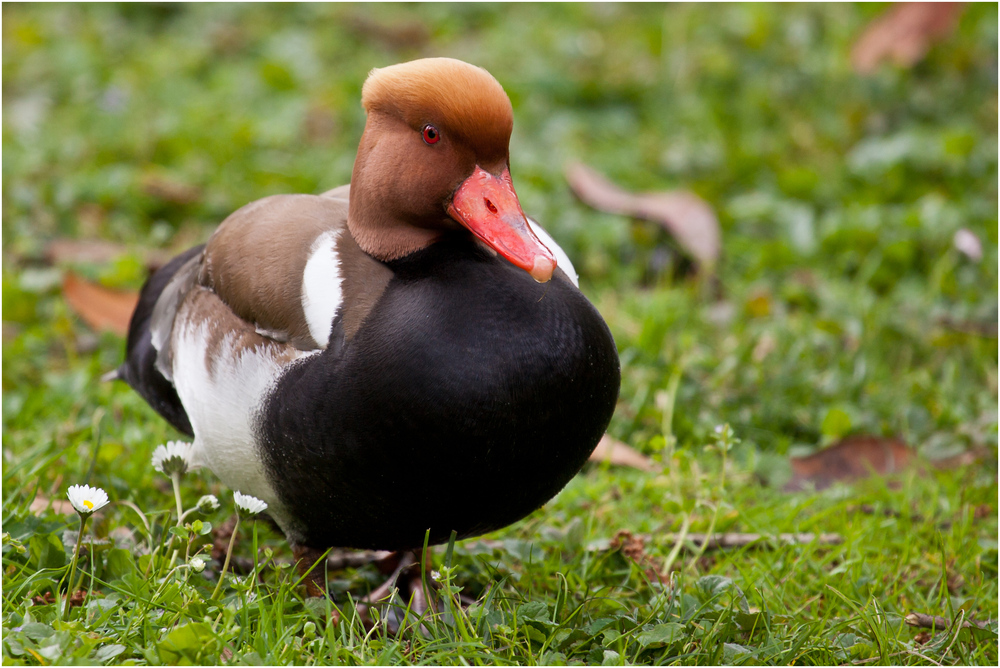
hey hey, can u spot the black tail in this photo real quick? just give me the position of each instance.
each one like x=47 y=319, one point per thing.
x=139 y=368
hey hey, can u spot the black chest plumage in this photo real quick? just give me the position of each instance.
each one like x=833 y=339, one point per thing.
x=467 y=399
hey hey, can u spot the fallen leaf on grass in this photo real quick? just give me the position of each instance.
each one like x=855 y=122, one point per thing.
x=904 y=34
x=852 y=458
x=686 y=216
x=617 y=453
x=101 y=308
x=632 y=546
x=922 y=621
x=48 y=598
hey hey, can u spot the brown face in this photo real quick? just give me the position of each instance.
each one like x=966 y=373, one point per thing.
x=414 y=177
x=434 y=156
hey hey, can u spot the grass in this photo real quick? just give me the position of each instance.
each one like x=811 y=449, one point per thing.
x=840 y=306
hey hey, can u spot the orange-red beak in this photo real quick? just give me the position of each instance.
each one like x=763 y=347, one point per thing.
x=487 y=205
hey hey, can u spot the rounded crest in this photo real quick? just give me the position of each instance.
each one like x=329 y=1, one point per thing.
x=462 y=99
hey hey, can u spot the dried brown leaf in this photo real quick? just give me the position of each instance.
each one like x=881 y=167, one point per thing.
x=904 y=34
x=686 y=216
x=853 y=458
x=617 y=453
x=632 y=546
x=924 y=621
x=48 y=598
x=101 y=308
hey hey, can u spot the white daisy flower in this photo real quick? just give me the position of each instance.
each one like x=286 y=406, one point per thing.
x=86 y=499
x=251 y=505
x=208 y=504
x=174 y=457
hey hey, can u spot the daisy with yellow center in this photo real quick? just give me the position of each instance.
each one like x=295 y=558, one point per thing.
x=87 y=500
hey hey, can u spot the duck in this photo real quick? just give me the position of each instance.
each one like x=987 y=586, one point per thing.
x=401 y=359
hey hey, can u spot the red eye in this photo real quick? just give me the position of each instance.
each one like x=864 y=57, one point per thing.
x=431 y=134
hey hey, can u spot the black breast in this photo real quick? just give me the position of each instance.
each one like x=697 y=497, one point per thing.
x=468 y=398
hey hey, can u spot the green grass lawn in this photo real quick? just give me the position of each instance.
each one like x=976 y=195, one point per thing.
x=840 y=306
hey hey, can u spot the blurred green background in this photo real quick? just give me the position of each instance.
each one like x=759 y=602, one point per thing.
x=840 y=304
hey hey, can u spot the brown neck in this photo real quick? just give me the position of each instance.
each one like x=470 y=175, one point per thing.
x=383 y=237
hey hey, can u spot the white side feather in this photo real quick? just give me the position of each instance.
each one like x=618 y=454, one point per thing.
x=321 y=291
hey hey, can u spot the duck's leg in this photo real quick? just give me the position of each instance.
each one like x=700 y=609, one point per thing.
x=307 y=558
x=405 y=571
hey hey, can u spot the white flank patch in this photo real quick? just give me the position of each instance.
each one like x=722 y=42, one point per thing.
x=221 y=405
x=321 y=294
x=562 y=260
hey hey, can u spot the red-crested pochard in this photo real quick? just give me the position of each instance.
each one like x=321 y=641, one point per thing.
x=408 y=353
